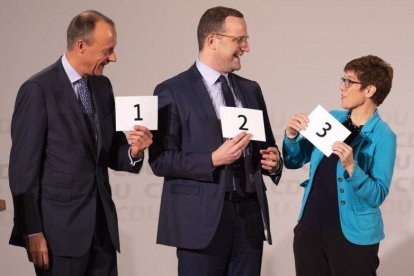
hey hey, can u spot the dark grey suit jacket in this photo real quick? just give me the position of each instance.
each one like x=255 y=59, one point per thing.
x=189 y=131
x=56 y=169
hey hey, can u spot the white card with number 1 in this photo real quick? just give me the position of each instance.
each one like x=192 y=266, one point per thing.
x=136 y=110
x=324 y=130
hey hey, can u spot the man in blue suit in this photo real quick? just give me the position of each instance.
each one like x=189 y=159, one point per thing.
x=213 y=207
x=63 y=141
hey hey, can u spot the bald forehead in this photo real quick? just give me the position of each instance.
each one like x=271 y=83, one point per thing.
x=236 y=24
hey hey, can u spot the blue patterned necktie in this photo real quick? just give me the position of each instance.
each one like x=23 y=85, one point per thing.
x=85 y=100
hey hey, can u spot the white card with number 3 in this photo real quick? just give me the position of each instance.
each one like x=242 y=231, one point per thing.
x=324 y=130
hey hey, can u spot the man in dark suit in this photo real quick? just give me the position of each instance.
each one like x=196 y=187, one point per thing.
x=213 y=206
x=63 y=141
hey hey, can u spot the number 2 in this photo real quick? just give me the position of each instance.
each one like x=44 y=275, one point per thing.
x=244 y=122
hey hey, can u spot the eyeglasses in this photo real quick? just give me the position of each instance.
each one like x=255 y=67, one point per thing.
x=347 y=82
x=239 y=39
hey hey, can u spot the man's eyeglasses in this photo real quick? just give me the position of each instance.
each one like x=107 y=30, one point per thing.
x=347 y=82
x=239 y=39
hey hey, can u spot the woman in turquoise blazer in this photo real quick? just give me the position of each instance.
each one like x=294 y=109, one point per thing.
x=340 y=223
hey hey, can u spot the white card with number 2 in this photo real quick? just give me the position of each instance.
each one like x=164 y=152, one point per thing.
x=235 y=120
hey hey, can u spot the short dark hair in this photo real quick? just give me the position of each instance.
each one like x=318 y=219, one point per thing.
x=83 y=25
x=212 y=21
x=372 y=70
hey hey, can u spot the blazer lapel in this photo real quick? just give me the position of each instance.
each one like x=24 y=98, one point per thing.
x=361 y=141
x=239 y=91
x=96 y=146
x=71 y=103
x=205 y=101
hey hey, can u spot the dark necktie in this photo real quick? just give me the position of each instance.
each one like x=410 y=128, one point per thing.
x=227 y=94
x=86 y=105
x=241 y=176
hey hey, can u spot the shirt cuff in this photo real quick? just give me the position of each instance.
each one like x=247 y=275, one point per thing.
x=134 y=161
x=279 y=168
x=34 y=234
x=293 y=138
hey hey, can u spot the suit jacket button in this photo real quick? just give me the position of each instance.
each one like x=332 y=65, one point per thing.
x=341 y=190
x=339 y=179
x=343 y=202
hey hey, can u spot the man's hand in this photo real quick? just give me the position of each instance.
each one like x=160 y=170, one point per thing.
x=270 y=159
x=140 y=139
x=230 y=150
x=37 y=251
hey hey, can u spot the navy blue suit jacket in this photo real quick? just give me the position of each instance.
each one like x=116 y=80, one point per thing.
x=56 y=169
x=189 y=131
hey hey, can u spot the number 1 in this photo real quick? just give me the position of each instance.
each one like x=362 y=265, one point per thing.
x=138 y=118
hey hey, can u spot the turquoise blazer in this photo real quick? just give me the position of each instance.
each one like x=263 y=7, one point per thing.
x=359 y=195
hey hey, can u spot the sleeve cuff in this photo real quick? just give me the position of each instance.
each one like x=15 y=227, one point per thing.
x=34 y=234
x=279 y=168
x=134 y=161
x=293 y=138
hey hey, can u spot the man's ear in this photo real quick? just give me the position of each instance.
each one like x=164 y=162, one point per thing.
x=80 y=46
x=211 y=41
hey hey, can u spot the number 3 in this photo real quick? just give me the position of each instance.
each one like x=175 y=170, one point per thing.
x=325 y=130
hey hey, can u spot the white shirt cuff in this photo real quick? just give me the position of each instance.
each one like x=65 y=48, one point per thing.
x=134 y=161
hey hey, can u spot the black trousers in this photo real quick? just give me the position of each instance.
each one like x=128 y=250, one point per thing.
x=326 y=252
x=99 y=260
x=236 y=248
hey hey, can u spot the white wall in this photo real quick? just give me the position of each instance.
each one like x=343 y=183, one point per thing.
x=298 y=51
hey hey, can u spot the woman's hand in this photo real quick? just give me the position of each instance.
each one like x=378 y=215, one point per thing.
x=345 y=154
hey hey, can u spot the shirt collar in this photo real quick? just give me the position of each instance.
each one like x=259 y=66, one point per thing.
x=70 y=71
x=209 y=74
